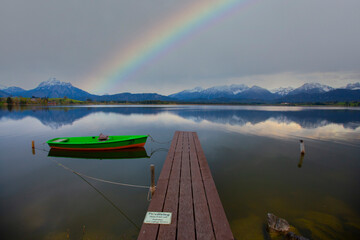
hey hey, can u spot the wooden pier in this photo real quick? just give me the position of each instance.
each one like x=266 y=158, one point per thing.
x=186 y=189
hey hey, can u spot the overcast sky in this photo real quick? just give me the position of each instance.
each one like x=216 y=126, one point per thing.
x=267 y=43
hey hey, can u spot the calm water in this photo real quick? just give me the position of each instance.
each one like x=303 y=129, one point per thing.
x=253 y=153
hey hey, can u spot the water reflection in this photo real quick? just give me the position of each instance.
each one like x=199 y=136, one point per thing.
x=301 y=160
x=56 y=117
x=132 y=153
x=253 y=153
x=326 y=124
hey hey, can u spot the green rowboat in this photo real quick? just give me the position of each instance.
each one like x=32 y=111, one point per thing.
x=98 y=143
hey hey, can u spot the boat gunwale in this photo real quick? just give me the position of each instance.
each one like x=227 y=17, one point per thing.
x=98 y=149
x=101 y=142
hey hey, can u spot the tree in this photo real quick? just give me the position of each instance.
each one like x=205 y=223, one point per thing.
x=22 y=100
x=9 y=100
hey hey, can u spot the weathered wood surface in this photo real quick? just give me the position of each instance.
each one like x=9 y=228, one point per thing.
x=186 y=188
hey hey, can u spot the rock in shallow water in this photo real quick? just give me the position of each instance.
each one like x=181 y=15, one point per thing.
x=293 y=236
x=277 y=224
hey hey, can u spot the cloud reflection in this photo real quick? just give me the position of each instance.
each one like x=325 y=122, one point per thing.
x=272 y=127
x=336 y=124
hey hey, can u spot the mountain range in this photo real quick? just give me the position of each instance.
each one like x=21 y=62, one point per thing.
x=309 y=92
x=54 y=88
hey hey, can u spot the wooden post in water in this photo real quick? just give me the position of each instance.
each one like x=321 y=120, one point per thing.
x=302 y=147
x=33 y=147
x=152 y=185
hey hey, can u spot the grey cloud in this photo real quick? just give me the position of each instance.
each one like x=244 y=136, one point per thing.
x=69 y=39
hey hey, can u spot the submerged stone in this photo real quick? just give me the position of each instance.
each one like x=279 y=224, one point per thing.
x=293 y=236
x=277 y=224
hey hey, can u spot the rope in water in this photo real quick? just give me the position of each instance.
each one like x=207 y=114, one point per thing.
x=158 y=150
x=111 y=202
x=153 y=140
x=94 y=178
x=98 y=179
x=105 y=181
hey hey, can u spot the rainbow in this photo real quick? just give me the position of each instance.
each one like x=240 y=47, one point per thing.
x=160 y=39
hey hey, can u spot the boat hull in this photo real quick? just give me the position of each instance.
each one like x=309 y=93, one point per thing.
x=93 y=143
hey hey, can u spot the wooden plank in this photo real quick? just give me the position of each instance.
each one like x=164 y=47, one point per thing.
x=172 y=195
x=204 y=229
x=219 y=221
x=150 y=231
x=186 y=226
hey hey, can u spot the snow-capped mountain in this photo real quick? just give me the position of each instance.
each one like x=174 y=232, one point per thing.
x=196 y=89
x=209 y=93
x=13 y=90
x=309 y=92
x=53 y=82
x=311 y=88
x=353 y=86
x=54 y=88
x=231 y=92
x=232 y=89
x=282 y=91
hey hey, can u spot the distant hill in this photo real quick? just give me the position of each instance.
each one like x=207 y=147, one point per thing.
x=54 y=88
x=133 y=97
x=3 y=94
x=13 y=90
x=337 y=95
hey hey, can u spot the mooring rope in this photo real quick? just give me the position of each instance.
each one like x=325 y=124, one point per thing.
x=158 y=150
x=149 y=195
x=40 y=149
x=105 y=181
x=98 y=179
x=153 y=140
x=111 y=202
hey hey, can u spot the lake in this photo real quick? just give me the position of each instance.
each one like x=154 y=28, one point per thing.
x=253 y=153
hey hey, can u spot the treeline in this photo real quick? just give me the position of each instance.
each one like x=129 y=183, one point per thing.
x=68 y=101
x=342 y=104
x=38 y=101
x=10 y=101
